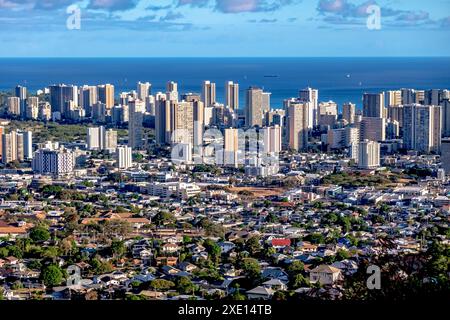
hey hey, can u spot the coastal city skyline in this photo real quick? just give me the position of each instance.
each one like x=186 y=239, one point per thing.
x=215 y=159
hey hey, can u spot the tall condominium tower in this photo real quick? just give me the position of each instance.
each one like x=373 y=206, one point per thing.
x=95 y=138
x=21 y=93
x=53 y=162
x=87 y=98
x=32 y=108
x=16 y=146
x=368 y=154
x=60 y=95
x=408 y=96
x=231 y=147
x=199 y=122
x=395 y=113
x=373 y=105
x=124 y=157
x=298 y=126
x=105 y=94
x=135 y=124
x=272 y=139
x=208 y=93
x=311 y=96
x=372 y=128
x=422 y=128
x=445 y=155
x=182 y=122
x=143 y=90
x=232 y=95
x=13 y=106
x=348 y=112
x=446 y=118
x=393 y=98
x=432 y=97
x=257 y=104
x=172 y=91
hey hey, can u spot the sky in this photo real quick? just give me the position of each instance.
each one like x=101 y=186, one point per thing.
x=224 y=28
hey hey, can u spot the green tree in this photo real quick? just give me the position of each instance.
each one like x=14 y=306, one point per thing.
x=299 y=281
x=296 y=267
x=39 y=234
x=184 y=285
x=252 y=245
x=213 y=249
x=161 y=284
x=15 y=251
x=118 y=248
x=52 y=275
x=252 y=268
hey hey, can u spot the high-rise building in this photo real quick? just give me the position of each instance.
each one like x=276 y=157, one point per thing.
x=172 y=91
x=392 y=129
x=162 y=120
x=445 y=155
x=199 y=122
x=373 y=129
x=298 y=126
x=373 y=105
x=393 y=98
x=1 y=142
x=342 y=137
x=420 y=97
x=21 y=93
x=150 y=105
x=231 y=147
x=124 y=157
x=232 y=95
x=27 y=144
x=257 y=104
x=16 y=146
x=395 y=113
x=143 y=90
x=95 y=138
x=271 y=139
x=135 y=124
x=208 y=93
x=348 y=112
x=446 y=118
x=327 y=113
x=53 y=162
x=422 y=128
x=13 y=106
x=45 y=111
x=275 y=117
x=311 y=96
x=182 y=122
x=88 y=98
x=432 y=97
x=110 y=140
x=368 y=154
x=408 y=96
x=32 y=108
x=105 y=94
x=60 y=94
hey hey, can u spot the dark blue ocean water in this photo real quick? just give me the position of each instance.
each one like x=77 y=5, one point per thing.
x=338 y=79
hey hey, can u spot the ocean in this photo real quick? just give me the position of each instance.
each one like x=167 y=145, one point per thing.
x=338 y=79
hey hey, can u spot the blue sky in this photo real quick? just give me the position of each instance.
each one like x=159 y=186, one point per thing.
x=217 y=28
